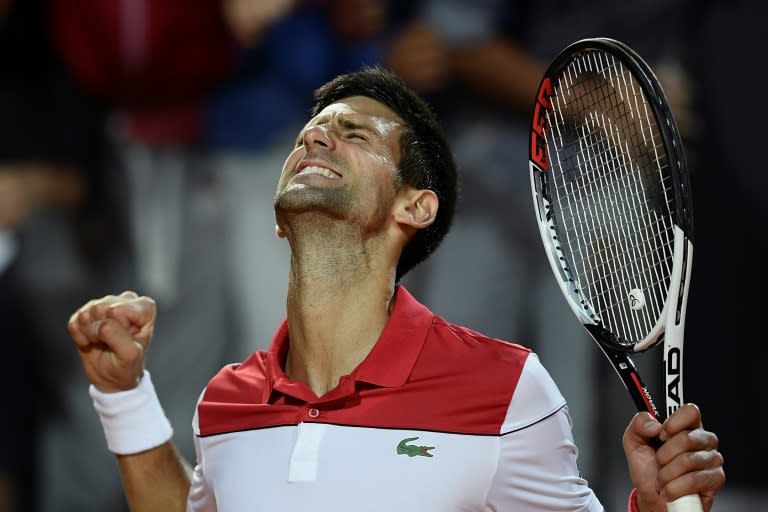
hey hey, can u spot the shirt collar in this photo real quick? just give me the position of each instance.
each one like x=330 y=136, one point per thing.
x=390 y=362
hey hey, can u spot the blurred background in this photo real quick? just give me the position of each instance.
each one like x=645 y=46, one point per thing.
x=140 y=145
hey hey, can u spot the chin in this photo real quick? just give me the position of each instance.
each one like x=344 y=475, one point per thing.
x=300 y=197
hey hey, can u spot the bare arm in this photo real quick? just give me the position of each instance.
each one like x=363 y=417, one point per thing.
x=495 y=67
x=28 y=186
x=501 y=69
x=156 y=480
x=112 y=335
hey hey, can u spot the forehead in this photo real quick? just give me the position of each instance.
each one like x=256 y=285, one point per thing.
x=360 y=108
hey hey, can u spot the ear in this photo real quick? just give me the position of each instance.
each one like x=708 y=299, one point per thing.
x=417 y=208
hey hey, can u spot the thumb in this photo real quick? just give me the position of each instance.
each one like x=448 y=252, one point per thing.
x=642 y=429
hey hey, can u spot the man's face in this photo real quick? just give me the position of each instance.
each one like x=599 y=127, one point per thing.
x=344 y=163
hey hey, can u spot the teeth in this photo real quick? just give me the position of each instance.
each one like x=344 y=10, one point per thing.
x=313 y=169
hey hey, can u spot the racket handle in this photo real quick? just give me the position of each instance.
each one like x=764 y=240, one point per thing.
x=690 y=503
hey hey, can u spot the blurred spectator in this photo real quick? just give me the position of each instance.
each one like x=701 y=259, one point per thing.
x=196 y=97
x=201 y=98
x=43 y=175
x=149 y=67
x=661 y=32
x=470 y=60
x=480 y=63
x=254 y=116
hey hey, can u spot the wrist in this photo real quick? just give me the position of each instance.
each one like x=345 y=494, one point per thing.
x=133 y=420
x=645 y=502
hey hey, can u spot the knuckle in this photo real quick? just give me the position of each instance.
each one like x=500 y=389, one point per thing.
x=82 y=319
x=106 y=329
x=101 y=308
x=148 y=303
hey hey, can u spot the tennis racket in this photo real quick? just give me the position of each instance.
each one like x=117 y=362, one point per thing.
x=612 y=198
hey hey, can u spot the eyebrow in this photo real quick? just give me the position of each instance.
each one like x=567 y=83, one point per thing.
x=349 y=124
x=344 y=121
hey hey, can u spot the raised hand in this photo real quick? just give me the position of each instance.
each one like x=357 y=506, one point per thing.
x=112 y=335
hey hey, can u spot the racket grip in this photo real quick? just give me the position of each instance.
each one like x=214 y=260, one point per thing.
x=690 y=503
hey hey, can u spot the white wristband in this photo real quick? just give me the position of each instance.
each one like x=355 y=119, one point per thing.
x=133 y=420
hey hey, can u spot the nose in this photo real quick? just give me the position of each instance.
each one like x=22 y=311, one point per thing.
x=318 y=136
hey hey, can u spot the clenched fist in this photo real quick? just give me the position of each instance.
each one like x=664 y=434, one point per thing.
x=112 y=335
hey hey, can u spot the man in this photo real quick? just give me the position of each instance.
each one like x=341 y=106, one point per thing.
x=366 y=400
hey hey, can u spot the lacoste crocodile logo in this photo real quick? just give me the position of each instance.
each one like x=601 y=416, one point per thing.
x=412 y=450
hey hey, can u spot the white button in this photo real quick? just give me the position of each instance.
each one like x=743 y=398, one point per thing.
x=314 y=413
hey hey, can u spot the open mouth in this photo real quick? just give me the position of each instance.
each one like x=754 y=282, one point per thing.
x=322 y=171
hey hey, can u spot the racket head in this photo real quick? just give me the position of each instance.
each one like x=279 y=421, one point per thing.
x=612 y=193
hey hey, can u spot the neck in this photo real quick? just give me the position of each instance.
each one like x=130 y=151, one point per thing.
x=339 y=300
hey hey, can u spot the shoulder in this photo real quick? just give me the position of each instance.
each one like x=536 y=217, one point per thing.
x=469 y=345
x=248 y=377
x=235 y=387
x=487 y=385
x=536 y=397
x=472 y=357
x=482 y=367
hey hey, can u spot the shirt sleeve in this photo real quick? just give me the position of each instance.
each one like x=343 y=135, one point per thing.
x=201 y=498
x=537 y=469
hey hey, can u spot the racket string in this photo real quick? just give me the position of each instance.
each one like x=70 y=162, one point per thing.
x=610 y=193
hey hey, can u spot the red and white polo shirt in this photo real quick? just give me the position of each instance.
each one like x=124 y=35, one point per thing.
x=436 y=418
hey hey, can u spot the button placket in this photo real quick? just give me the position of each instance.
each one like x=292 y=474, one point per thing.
x=306 y=452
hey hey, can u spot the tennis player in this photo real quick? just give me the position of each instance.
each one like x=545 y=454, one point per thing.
x=366 y=400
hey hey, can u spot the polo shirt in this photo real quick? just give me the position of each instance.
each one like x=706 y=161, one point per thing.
x=436 y=418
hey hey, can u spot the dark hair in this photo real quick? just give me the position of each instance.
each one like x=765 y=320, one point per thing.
x=426 y=160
